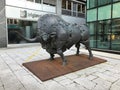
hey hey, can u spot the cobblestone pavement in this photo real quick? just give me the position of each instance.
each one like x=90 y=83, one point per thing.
x=14 y=76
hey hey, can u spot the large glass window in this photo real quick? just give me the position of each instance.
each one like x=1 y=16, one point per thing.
x=49 y=2
x=115 y=36
x=103 y=34
x=92 y=28
x=26 y=28
x=31 y=0
x=69 y=5
x=73 y=8
x=38 y=1
x=93 y=3
x=79 y=7
x=115 y=0
x=116 y=11
x=64 y=4
x=102 y=2
x=92 y=15
x=83 y=8
x=104 y=12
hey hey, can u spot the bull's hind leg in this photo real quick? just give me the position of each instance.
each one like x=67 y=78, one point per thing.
x=62 y=56
x=77 y=45
x=87 y=45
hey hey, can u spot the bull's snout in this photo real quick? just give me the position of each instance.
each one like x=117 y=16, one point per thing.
x=44 y=37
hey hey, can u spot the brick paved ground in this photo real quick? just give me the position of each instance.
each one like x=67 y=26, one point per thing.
x=14 y=76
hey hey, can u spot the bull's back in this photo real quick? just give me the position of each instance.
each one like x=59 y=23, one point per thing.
x=47 y=21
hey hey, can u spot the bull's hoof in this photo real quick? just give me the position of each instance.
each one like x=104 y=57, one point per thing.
x=91 y=57
x=51 y=59
x=64 y=63
x=77 y=54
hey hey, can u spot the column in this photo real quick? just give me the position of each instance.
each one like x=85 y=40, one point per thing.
x=59 y=7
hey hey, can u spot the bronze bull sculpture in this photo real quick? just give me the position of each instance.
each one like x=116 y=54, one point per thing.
x=56 y=35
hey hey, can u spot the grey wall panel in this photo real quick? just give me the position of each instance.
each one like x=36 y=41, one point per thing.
x=3 y=35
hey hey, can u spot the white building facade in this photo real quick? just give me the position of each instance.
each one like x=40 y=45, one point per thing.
x=22 y=16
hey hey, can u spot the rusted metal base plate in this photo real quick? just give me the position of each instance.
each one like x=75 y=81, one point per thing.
x=45 y=69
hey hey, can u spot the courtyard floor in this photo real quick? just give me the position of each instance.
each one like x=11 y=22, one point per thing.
x=14 y=76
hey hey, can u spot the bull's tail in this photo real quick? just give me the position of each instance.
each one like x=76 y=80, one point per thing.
x=26 y=39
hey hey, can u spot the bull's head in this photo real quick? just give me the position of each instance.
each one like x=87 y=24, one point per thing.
x=44 y=37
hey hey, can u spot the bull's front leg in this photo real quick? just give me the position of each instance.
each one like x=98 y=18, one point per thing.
x=60 y=52
x=78 y=47
x=51 y=57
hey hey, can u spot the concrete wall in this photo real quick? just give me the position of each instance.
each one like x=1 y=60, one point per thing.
x=3 y=33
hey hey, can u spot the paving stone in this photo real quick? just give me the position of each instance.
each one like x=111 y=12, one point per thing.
x=80 y=72
x=30 y=83
x=71 y=76
x=1 y=88
x=65 y=82
x=106 y=77
x=85 y=83
x=9 y=78
x=15 y=67
x=51 y=84
x=14 y=86
x=75 y=86
x=5 y=71
x=100 y=87
x=115 y=87
x=91 y=77
x=9 y=61
x=3 y=66
x=0 y=83
x=115 y=75
x=118 y=82
x=102 y=83
x=60 y=78
x=21 y=72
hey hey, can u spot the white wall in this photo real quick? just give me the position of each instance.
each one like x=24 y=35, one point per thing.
x=14 y=8
x=30 y=5
x=24 y=14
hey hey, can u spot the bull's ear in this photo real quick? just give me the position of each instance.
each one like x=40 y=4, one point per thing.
x=53 y=34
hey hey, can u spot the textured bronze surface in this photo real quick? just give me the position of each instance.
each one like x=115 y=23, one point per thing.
x=45 y=69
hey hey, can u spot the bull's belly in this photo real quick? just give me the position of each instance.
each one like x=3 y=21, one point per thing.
x=51 y=50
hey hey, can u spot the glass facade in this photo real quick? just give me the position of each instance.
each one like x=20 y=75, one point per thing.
x=103 y=19
x=26 y=28
x=102 y=2
x=103 y=32
x=115 y=36
x=93 y=40
x=104 y=12
x=116 y=11
x=92 y=15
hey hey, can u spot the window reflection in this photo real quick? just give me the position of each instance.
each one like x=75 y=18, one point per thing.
x=92 y=28
x=26 y=28
x=102 y=2
x=115 y=37
x=93 y=3
x=103 y=40
x=115 y=0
